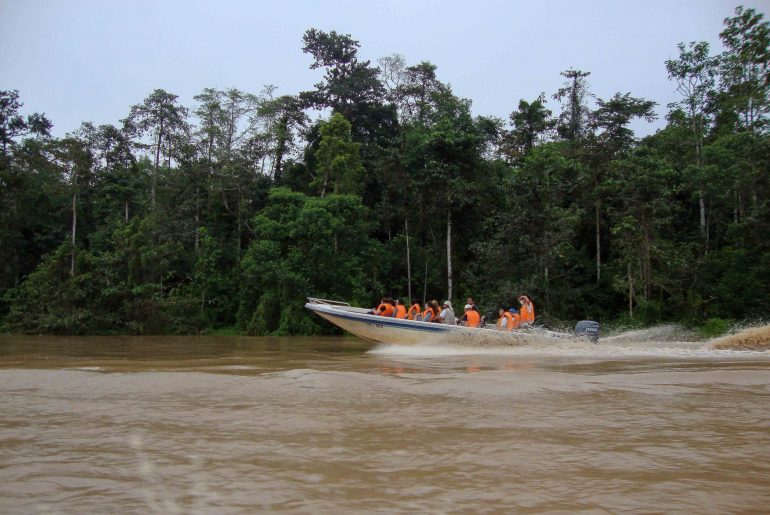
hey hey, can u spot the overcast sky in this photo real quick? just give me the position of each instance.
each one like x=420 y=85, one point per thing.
x=90 y=60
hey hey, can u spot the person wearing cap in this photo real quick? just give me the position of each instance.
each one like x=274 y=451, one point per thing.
x=527 y=311
x=471 y=317
x=447 y=315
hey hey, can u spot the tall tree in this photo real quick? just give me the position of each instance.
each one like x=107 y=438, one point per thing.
x=161 y=116
x=643 y=187
x=745 y=66
x=415 y=95
x=392 y=74
x=531 y=122
x=13 y=125
x=349 y=85
x=283 y=118
x=445 y=156
x=573 y=96
x=76 y=161
x=694 y=73
x=612 y=118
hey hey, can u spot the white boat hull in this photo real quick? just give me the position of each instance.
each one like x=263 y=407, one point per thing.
x=396 y=331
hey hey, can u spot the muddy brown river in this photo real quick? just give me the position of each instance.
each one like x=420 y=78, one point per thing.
x=641 y=422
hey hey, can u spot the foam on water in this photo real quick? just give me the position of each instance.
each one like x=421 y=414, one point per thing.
x=661 y=341
x=754 y=338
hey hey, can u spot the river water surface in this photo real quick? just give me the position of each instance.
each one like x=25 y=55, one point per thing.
x=639 y=423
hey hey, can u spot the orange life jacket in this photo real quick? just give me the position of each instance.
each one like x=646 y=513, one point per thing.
x=508 y=325
x=472 y=318
x=413 y=311
x=385 y=309
x=425 y=315
x=400 y=311
x=527 y=313
x=515 y=321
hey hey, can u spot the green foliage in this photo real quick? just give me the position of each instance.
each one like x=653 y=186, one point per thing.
x=714 y=327
x=160 y=226
x=303 y=247
x=338 y=159
x=52 y=301
x=745 y=67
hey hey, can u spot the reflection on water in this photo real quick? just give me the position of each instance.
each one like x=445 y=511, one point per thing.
x=200 y=425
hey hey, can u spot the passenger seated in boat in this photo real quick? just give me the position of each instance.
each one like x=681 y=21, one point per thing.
x=385 y=309
x=400 y=311
x=515 y=318
x=447 y=315
x=431 y=313
x=470 y=317
x=527 y=311
x=436 y=310
x=473 y=305
x=504 y=320
x=414 y=311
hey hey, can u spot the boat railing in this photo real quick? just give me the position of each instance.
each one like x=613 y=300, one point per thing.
x=314 y=300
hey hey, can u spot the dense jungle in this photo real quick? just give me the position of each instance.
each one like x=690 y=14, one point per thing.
x=223 y=216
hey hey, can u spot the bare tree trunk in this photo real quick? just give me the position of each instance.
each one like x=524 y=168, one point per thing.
x=125 y=206
x=323 y=189
x=197 y=226
x=647 y=263
x=74 y=223
x=280 y=148
x=702 y=207
x=157 y=163
x=408 y=263
x=697 y=130
x=706 y=226
x=597 y=230
x=425 y=285
x=630 y=292
x=449 y=254
x=238 y=236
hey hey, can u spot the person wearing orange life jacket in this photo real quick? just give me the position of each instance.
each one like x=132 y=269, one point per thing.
x=527 y=311
x=436 y=311
x=431 y=312
x=385 y=309
x=400 y=310
x=471 y=317
x=504 y=320
x=414 y=310
x=515 y=318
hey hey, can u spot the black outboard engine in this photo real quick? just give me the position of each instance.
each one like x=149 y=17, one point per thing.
x=589 y=329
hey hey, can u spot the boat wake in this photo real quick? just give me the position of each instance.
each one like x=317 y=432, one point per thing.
x=660 y=341
x=753 y=338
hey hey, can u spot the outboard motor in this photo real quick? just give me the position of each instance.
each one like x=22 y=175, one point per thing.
x=589 y=329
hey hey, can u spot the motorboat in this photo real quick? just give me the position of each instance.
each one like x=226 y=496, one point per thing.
x=362 y=323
